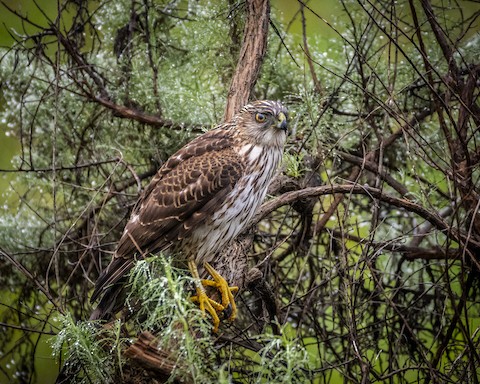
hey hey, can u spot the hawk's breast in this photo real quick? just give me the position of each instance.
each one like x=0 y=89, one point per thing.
x=239 y=206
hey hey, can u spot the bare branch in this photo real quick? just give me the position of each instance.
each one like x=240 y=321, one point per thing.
x=434 y=218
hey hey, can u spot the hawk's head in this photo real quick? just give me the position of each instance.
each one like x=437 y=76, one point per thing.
x=264 y=122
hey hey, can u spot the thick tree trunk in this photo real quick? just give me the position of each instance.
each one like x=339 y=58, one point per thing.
x=251 y=57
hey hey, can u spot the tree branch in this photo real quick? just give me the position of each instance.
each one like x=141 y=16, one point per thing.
x=374 y=193
x=142 y=117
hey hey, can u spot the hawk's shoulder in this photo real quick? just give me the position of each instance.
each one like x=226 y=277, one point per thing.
x=218 y=141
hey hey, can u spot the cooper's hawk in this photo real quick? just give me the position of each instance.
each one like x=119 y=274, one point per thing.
x=199 y=201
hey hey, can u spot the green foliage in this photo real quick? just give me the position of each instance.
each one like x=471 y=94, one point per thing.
x=91 y=350
x=162 y=294
x=293 y=165
x=158 y=292
x=185 y=55
x=283 y=360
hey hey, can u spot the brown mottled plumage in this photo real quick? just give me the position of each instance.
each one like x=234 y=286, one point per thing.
x=201 y=198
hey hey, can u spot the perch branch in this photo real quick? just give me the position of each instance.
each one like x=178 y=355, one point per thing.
x=435 y=219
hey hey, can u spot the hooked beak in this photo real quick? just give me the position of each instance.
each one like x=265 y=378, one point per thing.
x=282 y=122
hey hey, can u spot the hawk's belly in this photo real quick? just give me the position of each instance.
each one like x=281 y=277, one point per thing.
x=232 y=217
x=226 y=224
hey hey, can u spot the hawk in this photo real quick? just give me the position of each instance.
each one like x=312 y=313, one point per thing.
x=199 y=201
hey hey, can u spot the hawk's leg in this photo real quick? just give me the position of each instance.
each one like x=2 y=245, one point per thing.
x=208 y=304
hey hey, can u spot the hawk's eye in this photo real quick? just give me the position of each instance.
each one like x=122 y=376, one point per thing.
x=260 y=118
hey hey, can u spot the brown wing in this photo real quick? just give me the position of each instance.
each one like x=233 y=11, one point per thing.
x=202 y=172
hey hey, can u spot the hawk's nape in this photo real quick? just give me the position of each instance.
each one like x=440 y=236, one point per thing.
x=199 y=201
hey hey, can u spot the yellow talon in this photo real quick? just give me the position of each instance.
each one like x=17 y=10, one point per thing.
x=207 y=304
x=227 y=292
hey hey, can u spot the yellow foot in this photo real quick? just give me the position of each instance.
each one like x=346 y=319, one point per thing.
x=209 y=305
x=228 y=302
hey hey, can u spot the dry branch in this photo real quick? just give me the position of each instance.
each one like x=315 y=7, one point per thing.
x=146 y=353
x=140 y=116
